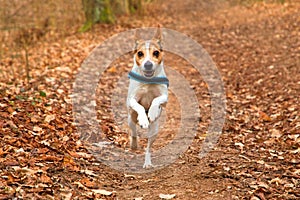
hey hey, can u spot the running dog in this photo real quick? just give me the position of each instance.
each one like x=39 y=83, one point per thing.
x=148 y=90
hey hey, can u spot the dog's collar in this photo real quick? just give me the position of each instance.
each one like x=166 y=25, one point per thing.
x=153 y=80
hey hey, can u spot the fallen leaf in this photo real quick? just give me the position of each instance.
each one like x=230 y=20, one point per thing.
x=239 y=144
x=11 y=163
x=297 y=172
x=45 y=179
x=255 y=198
x=37 y=129
x=289 y=185
x=113 y=69
x=12 y=124
x=88 y=182
x=167 y=196
x=294 y=136
x=276 y=133
x=10 y=110
x=129 y=176
x=261 y=196
x=67 y=196
x=263 y=116
x=88 y=172
x=80 y=185
x=277 y=181
x=49 y=118
x=3 y=105
x=50 y=158
x=43 y=94
x=34 y=119
x=102 y=192
x=80 y=154
x=263 y=185
x=45 y=142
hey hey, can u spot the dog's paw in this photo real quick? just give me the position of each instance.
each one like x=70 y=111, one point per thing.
x=133 y=143
x=143 y=120
x=154 y=112
x=148 y=163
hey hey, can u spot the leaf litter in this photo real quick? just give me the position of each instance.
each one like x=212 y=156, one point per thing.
x=257 y=156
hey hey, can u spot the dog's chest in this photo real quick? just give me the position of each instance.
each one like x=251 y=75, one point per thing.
x=146 y=93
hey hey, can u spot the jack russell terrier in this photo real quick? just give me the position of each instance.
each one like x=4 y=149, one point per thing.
x=148 y=90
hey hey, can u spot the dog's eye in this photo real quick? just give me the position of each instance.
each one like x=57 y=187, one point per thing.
x=156 y=53
x=140 y=54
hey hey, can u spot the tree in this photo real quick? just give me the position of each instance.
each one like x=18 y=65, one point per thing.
x=106 y=10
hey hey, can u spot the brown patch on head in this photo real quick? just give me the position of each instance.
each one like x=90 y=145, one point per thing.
x=155 y=52
x=140 y=52
x=153 y=49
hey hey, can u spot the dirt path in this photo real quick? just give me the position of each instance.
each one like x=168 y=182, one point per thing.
x=257 y=50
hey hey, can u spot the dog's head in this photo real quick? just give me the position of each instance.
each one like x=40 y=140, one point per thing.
x=148 y=55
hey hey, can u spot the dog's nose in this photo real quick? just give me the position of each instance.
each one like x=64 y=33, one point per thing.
x=148 y=65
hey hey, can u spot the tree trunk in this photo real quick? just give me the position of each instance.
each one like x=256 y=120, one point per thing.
x=96 y=11
x=105 y=10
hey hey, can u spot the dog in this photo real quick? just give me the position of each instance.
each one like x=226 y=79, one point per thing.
x=148 y=90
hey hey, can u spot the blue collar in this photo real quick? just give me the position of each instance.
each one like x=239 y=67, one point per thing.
x=153 y=80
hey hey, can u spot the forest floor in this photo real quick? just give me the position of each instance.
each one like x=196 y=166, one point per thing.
x=256 y=48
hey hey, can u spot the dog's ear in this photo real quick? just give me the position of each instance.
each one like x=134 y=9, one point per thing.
x=137 y=36
x=137 y=39
x=158 y=36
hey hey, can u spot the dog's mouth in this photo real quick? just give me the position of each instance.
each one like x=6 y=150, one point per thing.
x=148 y=73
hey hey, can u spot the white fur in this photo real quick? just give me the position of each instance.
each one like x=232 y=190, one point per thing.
x=149 y=122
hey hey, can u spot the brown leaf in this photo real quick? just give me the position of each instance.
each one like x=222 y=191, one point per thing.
x=90 y=183
x=255 y=198
x=69 y=163
x=12 y=124
x=276 y=133
x=45 y=179
x=34 y=119
x=50 y=158
x=10 y=110
x=49 y=118
x=11 y=163
x=167 y=196
x=263 y=116
x=112 y=69
x=102 y=192
x=261 y=196
x=68 y=160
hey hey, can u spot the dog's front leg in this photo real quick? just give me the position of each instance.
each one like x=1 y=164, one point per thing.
x=152 y=133
x=148 y=163
x=142 y=117
x=132 y=126
x=155 y=108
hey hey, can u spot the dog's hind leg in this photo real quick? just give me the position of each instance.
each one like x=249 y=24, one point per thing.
x=152 y=133
x=133 y=134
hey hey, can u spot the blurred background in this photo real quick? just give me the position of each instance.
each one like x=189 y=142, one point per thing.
x=24 y=23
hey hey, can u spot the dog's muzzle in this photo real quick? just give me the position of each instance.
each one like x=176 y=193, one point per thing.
x=148 y=72
x=148 y=66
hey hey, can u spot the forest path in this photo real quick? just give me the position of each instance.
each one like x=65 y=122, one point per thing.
x=257 y=51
